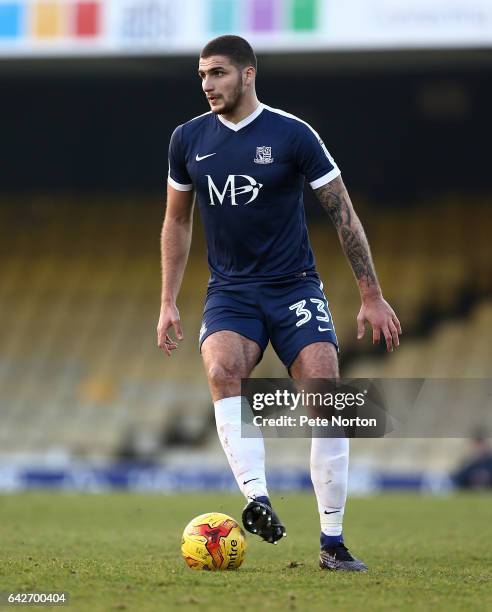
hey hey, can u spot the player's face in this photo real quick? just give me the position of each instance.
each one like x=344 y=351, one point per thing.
x=222 y=83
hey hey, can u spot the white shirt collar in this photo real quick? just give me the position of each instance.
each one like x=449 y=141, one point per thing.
x=244 y=122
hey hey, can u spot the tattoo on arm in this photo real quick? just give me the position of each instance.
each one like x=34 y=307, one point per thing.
x=357 y=251
x=333 y=201
x=336 y=201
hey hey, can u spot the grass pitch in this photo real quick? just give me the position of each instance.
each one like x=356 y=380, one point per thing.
x=122 y=552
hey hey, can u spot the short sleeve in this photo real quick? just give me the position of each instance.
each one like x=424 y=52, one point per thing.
x=314 y=160
x=178 y=176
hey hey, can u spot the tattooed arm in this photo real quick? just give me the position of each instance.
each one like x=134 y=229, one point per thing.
x=336 y=201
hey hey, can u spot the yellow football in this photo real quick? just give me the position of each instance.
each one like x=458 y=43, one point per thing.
x=213 y=542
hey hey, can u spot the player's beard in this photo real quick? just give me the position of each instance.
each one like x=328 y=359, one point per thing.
x=233 y=101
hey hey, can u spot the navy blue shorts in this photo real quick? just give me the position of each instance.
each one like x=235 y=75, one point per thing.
x=290 y=314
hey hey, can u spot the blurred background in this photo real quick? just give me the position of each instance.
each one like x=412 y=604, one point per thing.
x=90 y=92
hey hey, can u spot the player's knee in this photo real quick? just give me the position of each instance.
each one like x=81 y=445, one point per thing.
x=220 y=375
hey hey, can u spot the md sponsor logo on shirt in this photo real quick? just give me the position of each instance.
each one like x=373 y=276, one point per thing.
x=236 y=185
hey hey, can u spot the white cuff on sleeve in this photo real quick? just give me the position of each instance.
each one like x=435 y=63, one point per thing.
x=326 y=178
x=179 y=186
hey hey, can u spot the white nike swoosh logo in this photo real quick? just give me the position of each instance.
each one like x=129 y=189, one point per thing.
x=198 y=158
x=321 y=329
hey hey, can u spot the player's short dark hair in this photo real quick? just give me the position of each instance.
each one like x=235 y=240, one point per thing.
x=237 y=49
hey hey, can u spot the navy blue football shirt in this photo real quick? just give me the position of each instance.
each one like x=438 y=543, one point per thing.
x=249 y=180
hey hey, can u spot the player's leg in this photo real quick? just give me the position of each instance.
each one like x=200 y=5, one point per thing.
x=329 y=455
x=303 y=335
x=228 y=357
x=329 y=464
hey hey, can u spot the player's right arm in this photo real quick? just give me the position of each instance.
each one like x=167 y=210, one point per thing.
x=175 y=247
x=175 y=241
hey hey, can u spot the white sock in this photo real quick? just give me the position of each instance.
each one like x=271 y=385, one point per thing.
x=246 y=456
x=329 y=474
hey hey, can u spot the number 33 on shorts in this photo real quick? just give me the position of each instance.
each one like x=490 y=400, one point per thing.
x=303 y=311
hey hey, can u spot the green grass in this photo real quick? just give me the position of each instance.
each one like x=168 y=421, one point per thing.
x=122 y=552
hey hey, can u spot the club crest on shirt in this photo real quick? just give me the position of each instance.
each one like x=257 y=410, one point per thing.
x=263 y=155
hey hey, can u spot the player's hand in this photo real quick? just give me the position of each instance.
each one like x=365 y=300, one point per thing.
x=169 y=317
x=382 y=318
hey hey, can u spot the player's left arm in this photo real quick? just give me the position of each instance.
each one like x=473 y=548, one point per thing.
x=375 y=309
